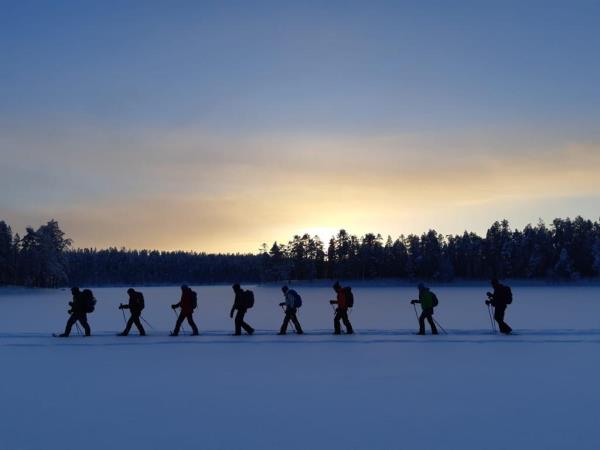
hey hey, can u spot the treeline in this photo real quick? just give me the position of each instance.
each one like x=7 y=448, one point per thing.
x=564 y=250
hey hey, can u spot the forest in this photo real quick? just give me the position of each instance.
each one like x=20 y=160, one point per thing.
x=565 y=250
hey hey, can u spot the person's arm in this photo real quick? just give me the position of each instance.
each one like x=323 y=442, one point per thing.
x=235 y=305
x=415 y=301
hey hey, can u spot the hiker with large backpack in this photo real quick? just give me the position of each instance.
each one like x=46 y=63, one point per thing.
x=293 y=301
x=500 y=299
x=428 y=301
x=244 y=300
x=82 y=304
x=344 y=300
x=135 y=306
x=188 y=302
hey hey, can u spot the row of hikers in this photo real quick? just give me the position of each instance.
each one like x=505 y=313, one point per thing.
x=84 y=303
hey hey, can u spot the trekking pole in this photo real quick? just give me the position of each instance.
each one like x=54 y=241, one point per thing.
x=438 y=324
x=491 y=320
x=182 y=327
x=146 y=322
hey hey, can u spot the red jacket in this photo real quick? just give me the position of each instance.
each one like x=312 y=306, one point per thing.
x=186 y=302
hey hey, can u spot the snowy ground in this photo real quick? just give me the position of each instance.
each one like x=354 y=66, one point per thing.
x=383 y=388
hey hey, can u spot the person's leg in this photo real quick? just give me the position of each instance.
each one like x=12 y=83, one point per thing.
x=178 y=323
x=286 y=320
x=135 y=318
x=128 y=326
x=190 y=319
x=347 y=323
x=247 y=328
x=70 y=323
x=431 y=322
x=296 y=322
x=84 y=323
x=499 y=317
x=239 y=318
x=422 y=322
x=336 y=321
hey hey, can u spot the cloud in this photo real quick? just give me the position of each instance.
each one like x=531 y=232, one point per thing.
x=193 y=189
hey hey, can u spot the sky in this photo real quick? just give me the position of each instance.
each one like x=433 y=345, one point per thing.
x=217 y=126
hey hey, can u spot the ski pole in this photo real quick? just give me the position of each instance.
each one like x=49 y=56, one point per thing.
x=78 y=329
x=124 y=319
x=416 y=314
x=491 y=320
x=146 y=322
x=438 y=324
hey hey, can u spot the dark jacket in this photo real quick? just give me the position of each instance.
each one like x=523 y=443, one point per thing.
x=240 y=301
x=135 y=303
x=501 y=296
x=78 y=305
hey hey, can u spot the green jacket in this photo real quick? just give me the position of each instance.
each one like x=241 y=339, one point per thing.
x=426 y=298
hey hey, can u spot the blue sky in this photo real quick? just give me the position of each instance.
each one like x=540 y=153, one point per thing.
x=391 y=117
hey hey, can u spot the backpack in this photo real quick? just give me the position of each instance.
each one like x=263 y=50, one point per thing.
x=248 y=299
x=139 y=300
x=349 y=297
x=509 y=296
x=194 y=300
x=89 y=302
x=434 y=299
x=297 y=298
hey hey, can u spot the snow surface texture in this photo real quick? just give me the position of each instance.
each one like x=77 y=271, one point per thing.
x=383 y=388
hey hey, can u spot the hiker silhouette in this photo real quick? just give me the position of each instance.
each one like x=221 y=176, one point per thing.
x=135 y=306
x=187 y=304
x=292 y=303
x=243 y=300
x=78 y=312
x=428 y=301
x=500 y=299
x=341 y=312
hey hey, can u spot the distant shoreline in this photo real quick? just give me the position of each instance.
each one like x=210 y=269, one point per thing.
x=383 y=283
